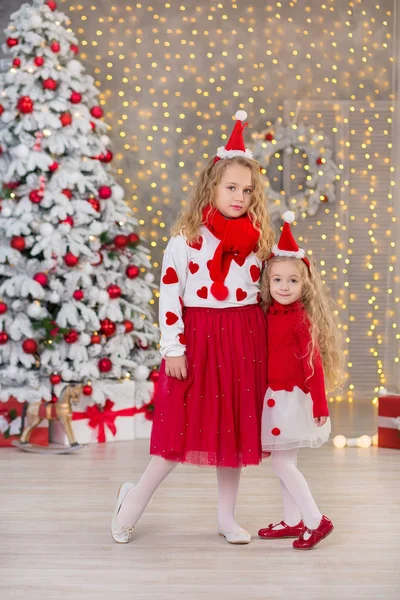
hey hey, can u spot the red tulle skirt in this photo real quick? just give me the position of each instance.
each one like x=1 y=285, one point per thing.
x=214 y=416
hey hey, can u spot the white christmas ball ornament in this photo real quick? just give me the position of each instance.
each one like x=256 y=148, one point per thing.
x=34 y=310
x=117 y=192
x=6 y=212
x=20 y=151
x=149 y=277
x=288 y=216
x=84 y=339
x=241 y=115
x=46 y=229
x=141 y=373
x=96 y=228
x=54 y=297
x=105 y=140
x=35 y=21
x=103 y=297
x=74 y=67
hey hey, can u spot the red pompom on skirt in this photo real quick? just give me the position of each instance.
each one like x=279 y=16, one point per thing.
x=214 y=416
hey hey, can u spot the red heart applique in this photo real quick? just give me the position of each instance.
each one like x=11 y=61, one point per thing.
x=239 y=261
x=193 y=267
x=170 y=276
x=202 y=292
x=171 y=318
x=182 y=339
x=255 y=273
x=240 y=294
x=181 y=302
x=196 y=245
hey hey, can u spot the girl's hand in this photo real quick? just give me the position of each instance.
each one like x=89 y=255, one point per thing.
x=176 y=366
x=319 y=421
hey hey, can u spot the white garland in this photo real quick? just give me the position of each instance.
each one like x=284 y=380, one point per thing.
x=319 y=184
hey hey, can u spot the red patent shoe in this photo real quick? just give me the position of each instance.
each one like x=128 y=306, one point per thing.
x=316 y=535
x=287 y=531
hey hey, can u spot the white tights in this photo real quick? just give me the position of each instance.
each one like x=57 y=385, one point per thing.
x=296 y=495
x=156 y=471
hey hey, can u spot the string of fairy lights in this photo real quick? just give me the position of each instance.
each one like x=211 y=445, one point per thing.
x=171 y=73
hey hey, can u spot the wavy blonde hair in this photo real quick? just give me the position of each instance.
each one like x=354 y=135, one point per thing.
x=190 y=218
x=321 y=310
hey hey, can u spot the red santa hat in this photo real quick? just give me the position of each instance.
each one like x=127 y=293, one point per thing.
x=235 y=145
x=287 y=245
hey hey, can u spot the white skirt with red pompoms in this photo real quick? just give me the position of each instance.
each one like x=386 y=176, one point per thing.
x=288 y=422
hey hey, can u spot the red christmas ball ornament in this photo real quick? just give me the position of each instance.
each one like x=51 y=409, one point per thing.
x=3 y=308
x=39 y=61
x=30 y=346
x=133 y=238
x=108 y=327
x=41 y=278
x=92 y=125
x=114 y=291
x=25 y=105
x=3 y=338
x=105 y=192
x=66 y=119
x=105 y=365
x=74 y=48
x=75 y=97
x=78 y=294
x=132 y=271
x=1 y=109
x=95 y=339
x=71 y=260
x=154 y=376
x=120 y=241
x=54 y=166
x=11 y=42
x=269 y=137
x=71 y=337
x=95 y=203
x=17 y=62
x=129 y=326
x=55 y=378
x=49 y=84
x=67 y=193
x=35 y=196
x=87 y=390
x=52 y=5
x=55 y=47
x=68 y=220
x=320 y=161
x=18 y=243
x=96 y=112
x=107 y=157
x=54 y=332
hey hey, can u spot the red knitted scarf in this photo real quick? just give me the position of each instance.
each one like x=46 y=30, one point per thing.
x=238 y=238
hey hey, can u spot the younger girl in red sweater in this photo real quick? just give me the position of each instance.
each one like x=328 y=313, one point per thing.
x=303 y=346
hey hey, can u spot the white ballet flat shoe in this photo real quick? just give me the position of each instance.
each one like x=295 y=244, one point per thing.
x=121 y=535
x=236 y=537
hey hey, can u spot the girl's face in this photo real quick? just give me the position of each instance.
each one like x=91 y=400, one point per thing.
x=285 y=282
x=233 y=193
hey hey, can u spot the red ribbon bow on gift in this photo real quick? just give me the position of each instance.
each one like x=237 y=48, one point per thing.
x=99 y=417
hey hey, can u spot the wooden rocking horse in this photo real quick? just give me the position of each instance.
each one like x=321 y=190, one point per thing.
x=61 y=410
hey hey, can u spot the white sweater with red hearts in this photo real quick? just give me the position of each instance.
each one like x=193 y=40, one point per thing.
x=185 y=281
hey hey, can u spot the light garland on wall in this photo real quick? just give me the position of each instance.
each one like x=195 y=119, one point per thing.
x=171 y=74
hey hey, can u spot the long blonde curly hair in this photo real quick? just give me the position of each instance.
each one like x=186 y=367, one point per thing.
x=190 y=218
x=322 y=314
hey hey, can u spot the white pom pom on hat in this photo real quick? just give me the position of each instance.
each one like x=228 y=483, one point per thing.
x=241 y=115
x=288 y=216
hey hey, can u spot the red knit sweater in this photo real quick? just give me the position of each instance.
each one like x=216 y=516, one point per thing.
x=288 y=340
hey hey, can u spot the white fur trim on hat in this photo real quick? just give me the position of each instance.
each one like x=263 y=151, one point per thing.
x=289 y=253
x=241 y=115
x=288 y=216
x=223 y=153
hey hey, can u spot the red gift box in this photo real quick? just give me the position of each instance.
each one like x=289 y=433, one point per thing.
x=13 y=409
x=389 y=422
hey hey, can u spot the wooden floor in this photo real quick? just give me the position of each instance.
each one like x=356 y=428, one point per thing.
x=55 y=542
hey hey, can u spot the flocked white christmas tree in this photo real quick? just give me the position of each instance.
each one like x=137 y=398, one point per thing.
x=74 y=291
